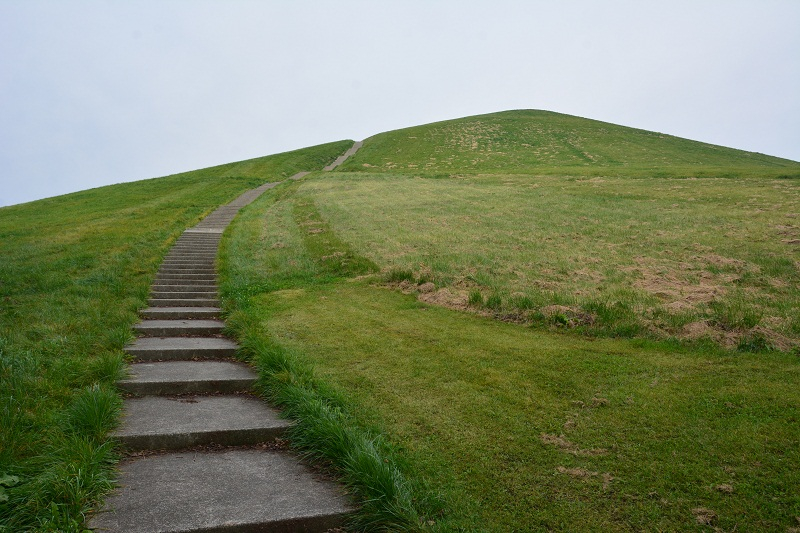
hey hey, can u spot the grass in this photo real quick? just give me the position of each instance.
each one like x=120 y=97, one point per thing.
x=547 y=143
x=75 y=270
x=641 y=375
x=707 y=258
x=513 y=427
x=518 y=428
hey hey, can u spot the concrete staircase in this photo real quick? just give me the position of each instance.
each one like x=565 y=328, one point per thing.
x=201 y=455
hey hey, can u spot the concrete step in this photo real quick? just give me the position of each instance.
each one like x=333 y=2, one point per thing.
x=183 y=302
x=160 y=280
x=183 y=259
x=187 y=270
x=195 y=250
x=178 y=327
x=225 y=492
x=174 y=285
x=162 y=423
x=181 y=348
x=190 y=255
x=205 y=230
x=158 y=292
x=169 y=313
x=209 y=251
x=195 y=277
x=188 y=377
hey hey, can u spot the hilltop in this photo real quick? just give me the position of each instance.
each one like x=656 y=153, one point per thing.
x=543 y=142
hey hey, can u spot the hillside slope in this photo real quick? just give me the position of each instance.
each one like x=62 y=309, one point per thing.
x=74 y=271
x=549 y=143
x=547 y=343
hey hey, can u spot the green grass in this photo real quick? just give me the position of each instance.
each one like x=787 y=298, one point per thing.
x=513 y=427
x=75 y=270
x=543 y=142
x=657 y=257
x=541 y=344
x=519 y=321
x=489 y=414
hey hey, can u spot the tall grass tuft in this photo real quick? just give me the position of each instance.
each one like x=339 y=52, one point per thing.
x=94 y=412
x=56 y=492
x=326 y=434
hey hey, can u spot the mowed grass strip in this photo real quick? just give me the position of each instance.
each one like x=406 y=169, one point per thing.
x=698 y=260
x=527 y=430
x=516 y=428
x=75 y=269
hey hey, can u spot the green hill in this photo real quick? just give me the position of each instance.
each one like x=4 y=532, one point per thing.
x=74 y=271
x=515 y=321
x=543 y=142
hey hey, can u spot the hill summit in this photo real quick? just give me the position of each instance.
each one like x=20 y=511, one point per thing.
x=547 y=143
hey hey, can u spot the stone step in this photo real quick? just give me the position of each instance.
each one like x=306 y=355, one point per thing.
x=177 y=327
x=168 y=313
x=188 y=377
x=183 y=302
x=196 y=277
x=183 y=259
x=181 y=348
x=171 y=285
x=226 y=492
x=187 y=256
x=205 y=230
x=189 y=263
x=164 y=423
x=158 y=292
x=204 y=250
x=187 y=270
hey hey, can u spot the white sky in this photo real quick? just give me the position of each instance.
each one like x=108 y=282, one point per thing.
x=93 y=93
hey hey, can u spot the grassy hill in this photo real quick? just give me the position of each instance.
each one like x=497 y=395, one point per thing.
x=543 y=142
x=552 y=323
x=74 y=271
x=517 y=321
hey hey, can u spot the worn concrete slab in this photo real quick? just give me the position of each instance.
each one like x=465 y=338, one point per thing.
x=178 y=327
x=187 y=270
x=205 y=230
x=168 y=285
x=234 y=491
x=181 y=348
x=188 y=377
x=164 y=276
x=183 y=302
x=189 y=259
x=158 y=292
x=162 y=423
x=342 y=158
x=180 y=312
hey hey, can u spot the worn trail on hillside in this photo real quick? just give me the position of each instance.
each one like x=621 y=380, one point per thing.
x=202 y=453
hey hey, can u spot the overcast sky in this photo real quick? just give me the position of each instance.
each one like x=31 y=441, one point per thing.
x=93 y=93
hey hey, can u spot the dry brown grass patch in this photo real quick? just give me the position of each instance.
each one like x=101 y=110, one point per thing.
x=569 y=447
